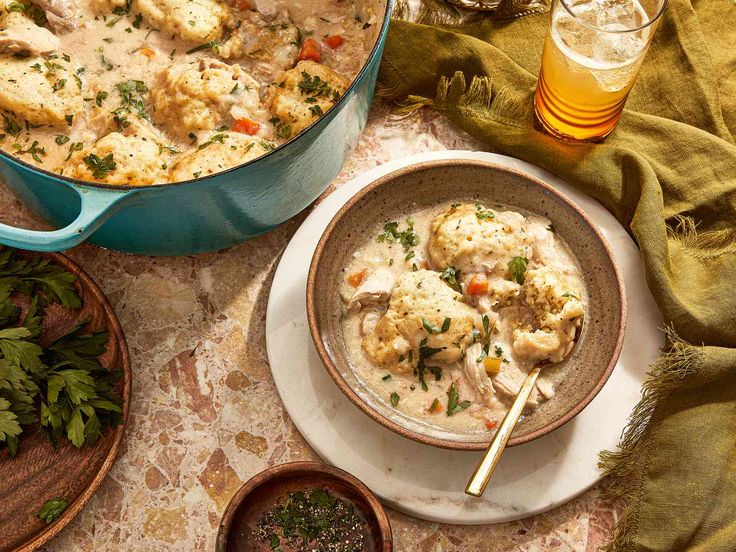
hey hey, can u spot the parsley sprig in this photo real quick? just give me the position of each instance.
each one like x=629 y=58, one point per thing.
x=391 y=234
x=517 y=269
x=454 y=404
x=59 y=384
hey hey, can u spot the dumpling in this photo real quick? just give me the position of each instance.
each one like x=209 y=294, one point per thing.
x=193 y=20
x=273 y=44
x=204 y=96
x=303 y=94
x=43 y=92
x=558 y=313
x=474 y=239
x=421 y=296
x=221 y=151
x=134 y=157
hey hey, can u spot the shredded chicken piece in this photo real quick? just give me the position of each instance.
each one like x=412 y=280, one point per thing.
x=370 y=319
x=61 y=14
x=476 y=375
x=510 y=386
x=374 y=290
x=27 y=38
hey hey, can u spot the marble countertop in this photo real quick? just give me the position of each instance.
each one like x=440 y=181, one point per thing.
x=205 y=415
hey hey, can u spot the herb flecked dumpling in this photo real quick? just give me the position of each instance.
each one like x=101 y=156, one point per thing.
x=420 y=306
x=303 y=94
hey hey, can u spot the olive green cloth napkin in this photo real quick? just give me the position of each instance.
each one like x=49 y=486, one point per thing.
x=668 y=173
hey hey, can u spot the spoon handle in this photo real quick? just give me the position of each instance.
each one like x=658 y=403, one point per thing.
x=485 y=468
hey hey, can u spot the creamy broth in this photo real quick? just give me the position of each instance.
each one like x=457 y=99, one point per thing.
x=172 y=92
x=475 y=320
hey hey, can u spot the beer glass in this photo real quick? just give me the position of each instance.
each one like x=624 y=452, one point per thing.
x=592 y=54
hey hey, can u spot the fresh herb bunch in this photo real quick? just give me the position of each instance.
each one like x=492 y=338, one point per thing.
x=61 y=384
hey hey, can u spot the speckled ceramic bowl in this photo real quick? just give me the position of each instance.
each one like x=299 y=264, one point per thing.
x=434 y=183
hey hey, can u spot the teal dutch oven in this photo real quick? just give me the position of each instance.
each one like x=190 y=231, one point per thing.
x=197 y=215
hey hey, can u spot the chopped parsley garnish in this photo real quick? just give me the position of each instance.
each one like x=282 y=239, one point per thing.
x=34 y=151
x=551 y=228
x=213 y=45
x=100 y=167
x=482 y=213
x=131 y=101
x=76 y=146
x=52 y=67
x=569 y=295
x=426 y=352
x=52 y=510
x=499 y=351
x=59 y=84
x=69 y=119
x=517 y=269
x=137 y=20
x=433 y=328
x=386 y=377
x=100 y=97
x=61 y=139
x=394 y=398
x=391 y=234
x=283 y=130
x=214 y=138
x=316 y=110
x=454 y=404
x=451 y=276
x=11 y=126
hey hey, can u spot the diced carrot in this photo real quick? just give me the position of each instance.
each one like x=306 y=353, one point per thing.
x=310 y=50
x=491 y=424
x=356 y=278
x=435 y=407
x=246 y=126
x=334 y=41
x=477 y=285
x=148 y=52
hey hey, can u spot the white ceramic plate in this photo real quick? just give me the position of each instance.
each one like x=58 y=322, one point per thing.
x=427 y=482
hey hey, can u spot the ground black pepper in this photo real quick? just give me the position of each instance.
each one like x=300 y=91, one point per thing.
x=313 y=521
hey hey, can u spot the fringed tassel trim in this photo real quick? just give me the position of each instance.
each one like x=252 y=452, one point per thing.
x=627 y=465
x=702 y=245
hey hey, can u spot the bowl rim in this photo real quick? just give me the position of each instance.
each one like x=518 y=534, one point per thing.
x=348 y=391
x=279 y=470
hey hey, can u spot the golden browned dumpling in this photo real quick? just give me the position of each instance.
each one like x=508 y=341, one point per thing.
x=193 y=20
x=558 y=313
x=44 y=92
x=274 y=43
x=220 y=151
x=473 y=239
x=303 y=94
x=205 y=95
x=421 y=296
x=134 y=157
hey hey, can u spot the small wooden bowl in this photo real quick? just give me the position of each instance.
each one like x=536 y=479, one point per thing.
x=41 y=472
x=433 y=183
x=264 y=490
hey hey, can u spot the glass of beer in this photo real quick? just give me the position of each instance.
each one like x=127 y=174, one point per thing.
x=592 y=54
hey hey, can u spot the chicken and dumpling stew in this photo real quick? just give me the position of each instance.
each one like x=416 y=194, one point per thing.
x=447 y=311
x=139 y=92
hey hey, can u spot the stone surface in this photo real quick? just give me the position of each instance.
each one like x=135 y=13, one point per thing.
x=205 y=414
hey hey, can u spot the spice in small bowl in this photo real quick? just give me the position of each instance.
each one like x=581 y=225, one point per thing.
x=304 y=507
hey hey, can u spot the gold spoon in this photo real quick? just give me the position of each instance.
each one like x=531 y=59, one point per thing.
x=487 y=465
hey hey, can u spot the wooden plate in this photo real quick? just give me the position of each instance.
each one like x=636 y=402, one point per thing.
x=264 y=490
x=39 y=472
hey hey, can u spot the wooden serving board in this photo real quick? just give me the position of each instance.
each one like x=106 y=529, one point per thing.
x=39 y=472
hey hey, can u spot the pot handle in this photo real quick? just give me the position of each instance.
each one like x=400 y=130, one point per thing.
x=97 y=205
